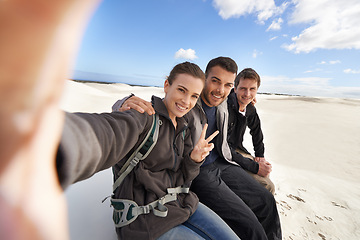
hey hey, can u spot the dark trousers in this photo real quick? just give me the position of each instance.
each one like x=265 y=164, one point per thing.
x=245 y=205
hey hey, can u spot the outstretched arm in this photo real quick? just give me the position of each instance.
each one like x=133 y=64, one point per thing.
x=38 y=42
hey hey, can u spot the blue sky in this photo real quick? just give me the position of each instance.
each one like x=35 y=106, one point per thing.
x=302 y=47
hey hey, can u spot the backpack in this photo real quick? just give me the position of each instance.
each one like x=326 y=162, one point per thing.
x=126 y=211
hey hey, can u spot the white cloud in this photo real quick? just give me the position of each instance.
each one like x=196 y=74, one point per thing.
x=312 y=81
x=352 y=71
x=315 y=87
x=186 y=54
x=309 y=81
x=264 y=9
x=256 y=53
x=332 y=62
x=273 y=38
x=275 y=25
x=314 y=70
x=332 y=25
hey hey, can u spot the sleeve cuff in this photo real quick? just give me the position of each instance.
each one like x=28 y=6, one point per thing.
x=119 y=103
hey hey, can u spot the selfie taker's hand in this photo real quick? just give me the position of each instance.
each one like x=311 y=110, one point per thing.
x=38 y=42
x=203 y=147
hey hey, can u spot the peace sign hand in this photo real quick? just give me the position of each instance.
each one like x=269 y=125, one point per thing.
x=203 y=147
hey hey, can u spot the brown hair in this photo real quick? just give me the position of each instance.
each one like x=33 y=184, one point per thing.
x=225 y=62
x=247 y=73
x=188 y=68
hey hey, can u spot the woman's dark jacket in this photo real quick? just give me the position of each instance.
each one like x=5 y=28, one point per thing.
x=94 y=142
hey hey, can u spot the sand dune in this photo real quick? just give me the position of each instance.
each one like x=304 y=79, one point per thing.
x=313 y=144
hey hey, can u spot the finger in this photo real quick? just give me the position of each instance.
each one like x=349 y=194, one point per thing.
x=145 y=106
x=208 y=148
x=140 y=105
x=135 y=107
x=203 y=133
x=134 y=99
x=211 y=137
x=148 y=107
x=254 y=101
x=123 y=109
x=204 y=155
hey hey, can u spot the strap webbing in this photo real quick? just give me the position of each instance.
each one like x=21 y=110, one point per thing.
x=126 y=211
x=140 y=153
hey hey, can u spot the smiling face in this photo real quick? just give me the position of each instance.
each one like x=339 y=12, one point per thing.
x=218 y=85
x=245 y=92
x=182 y=95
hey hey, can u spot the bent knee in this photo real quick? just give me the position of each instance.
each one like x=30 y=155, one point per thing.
x=270 y=186
x=266 y=182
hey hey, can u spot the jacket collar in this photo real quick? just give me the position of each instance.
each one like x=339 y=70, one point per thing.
x=159 y=106
x=233 y=100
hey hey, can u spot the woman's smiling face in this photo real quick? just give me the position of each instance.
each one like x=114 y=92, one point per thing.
x=182 y=95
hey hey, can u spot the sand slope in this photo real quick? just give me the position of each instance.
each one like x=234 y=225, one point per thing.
x=313 y=144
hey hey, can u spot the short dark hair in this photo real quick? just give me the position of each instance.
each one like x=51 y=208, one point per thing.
x=186 y=67
x=247 y=73
x=225 y=62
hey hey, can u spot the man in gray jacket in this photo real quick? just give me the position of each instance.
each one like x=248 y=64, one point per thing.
x=223 y=185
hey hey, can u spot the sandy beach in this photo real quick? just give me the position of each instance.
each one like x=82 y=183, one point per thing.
x=312 y=143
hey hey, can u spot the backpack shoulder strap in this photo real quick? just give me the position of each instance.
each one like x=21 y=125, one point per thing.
x=141 y=152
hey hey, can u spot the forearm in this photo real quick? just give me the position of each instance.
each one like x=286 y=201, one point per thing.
x=259 y=147
x=257 y=134
x=245 y=163
x=79 y=152
x=94 y=142
x=190 y=169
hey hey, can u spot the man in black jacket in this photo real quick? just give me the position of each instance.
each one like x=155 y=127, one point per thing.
x=242 y=114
